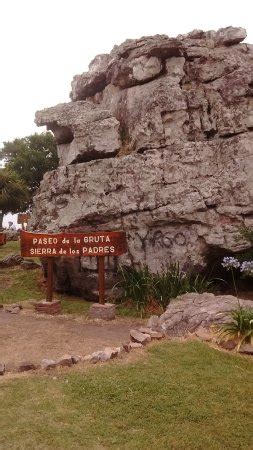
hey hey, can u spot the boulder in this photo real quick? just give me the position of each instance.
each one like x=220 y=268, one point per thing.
x=157 y=141
x=190 y=312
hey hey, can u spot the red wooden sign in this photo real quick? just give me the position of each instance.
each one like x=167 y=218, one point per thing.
x=2 y=238
x=23 y=218
x=99 y=243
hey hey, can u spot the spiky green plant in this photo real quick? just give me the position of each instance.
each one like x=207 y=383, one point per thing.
x=136 y=284
x=168 y=284
x=240 y=328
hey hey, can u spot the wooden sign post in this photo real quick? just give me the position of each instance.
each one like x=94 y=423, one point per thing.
x=49 y=246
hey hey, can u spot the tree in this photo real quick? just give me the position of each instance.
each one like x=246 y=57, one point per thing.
x=13 y=193
x=30 y=157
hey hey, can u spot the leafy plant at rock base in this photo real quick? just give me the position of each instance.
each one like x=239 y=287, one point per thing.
x=142 y=287
x=172 y=282
x=240 y=328
x=136 y=284
x=168 y=284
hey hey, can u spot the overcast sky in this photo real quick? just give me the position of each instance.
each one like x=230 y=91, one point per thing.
x=45 y=42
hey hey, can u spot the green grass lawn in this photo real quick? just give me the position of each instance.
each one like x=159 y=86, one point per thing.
x=180 y=396
x=19 y=285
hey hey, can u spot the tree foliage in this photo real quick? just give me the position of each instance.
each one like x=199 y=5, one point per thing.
x=13 y=193
x=30 y=157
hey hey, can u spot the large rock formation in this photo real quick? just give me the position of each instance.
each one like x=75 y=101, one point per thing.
x=157 y=140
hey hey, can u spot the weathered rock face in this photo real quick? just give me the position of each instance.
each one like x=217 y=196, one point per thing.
x=190 y=311
x=157 y=140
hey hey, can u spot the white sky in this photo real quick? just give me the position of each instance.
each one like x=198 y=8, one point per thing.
x=43 y=43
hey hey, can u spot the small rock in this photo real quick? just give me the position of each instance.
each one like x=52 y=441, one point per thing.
x=103 y=355
x=128 y=346
x=27 y=365
x=228 y=345
x=153 y=334
x=142 y=338
x=14 y=308
x=1 y=306
x=247 y=349
x=65 y=360
x=76 y=359
x=2 y=368
x=48 y=364
x=105 y=312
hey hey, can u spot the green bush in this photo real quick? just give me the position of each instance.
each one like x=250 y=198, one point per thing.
x=240 y=328
x=135 y=283
x=142 y=287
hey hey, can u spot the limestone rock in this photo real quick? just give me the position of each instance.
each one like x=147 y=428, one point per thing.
x=48 y=364
x=154 y=323
x=13 y=309
x=128 y=346
x=158 y=141
x=76 y=359
x=153 y=334
x=65 y=360
x=192 y=311
x=83 y=131
x=103 y=355
x=104 y=312
x=89 y=83
x=27 y=365
x=141 y=338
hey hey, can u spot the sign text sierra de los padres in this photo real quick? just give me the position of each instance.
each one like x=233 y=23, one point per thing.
x=99 y=243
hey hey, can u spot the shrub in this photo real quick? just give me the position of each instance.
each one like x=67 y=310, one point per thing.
x=135 y=283
x=168 y=284
x=141 y=286
x=240 y=328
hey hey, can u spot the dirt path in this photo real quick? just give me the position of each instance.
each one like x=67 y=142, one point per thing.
x=30 y=337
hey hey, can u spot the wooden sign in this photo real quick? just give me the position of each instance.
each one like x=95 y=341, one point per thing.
x=23 y=218
x=2 y=238
x=112 y=243
x=99 y=243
